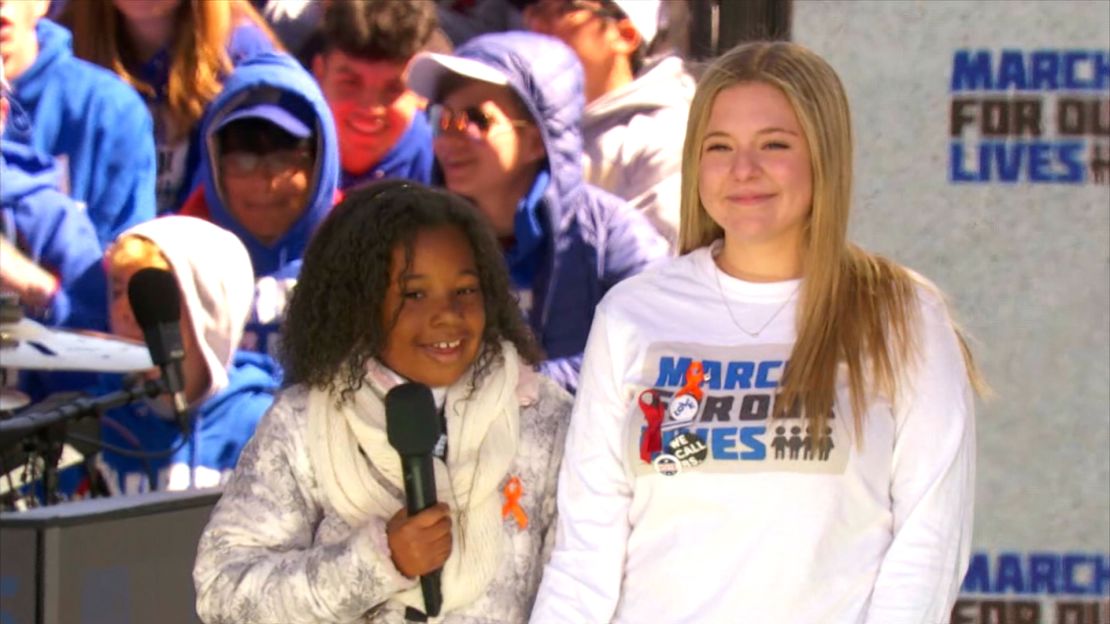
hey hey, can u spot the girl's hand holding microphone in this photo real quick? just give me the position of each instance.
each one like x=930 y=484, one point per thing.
x=420 y=544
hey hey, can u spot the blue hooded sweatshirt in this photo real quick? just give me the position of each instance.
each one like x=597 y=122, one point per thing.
x=223 y=425
x=411 y=158
x=574 y=240
x=54 y=232
x=262 y=77
x=276 y=266
x=98 y=123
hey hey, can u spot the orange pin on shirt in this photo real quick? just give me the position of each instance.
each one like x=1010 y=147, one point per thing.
x=695 y=375
x=513 y=491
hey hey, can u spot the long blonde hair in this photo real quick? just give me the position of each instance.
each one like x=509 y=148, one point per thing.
x=198 y=53
x=855 y=308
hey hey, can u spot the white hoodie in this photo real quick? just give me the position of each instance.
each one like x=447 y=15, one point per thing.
x=217 y=285
x=632 y=141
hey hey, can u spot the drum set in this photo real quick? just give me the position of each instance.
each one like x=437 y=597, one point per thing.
x=33 y=438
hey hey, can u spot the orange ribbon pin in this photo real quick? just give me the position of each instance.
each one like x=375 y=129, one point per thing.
x=513 y=491
x=695 y=375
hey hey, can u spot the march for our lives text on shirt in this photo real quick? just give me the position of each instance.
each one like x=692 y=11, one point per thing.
x=733 y=415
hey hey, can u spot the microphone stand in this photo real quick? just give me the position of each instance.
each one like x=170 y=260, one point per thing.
x=48 y=427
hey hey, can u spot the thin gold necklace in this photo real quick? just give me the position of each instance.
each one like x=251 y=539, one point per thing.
x=728 y=308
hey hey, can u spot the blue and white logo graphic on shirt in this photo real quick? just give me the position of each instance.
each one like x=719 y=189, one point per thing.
x=733 y=413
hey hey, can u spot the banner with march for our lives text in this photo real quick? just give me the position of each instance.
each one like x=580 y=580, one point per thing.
x=1037 y=116
x=982 y=160
x=1017 y=587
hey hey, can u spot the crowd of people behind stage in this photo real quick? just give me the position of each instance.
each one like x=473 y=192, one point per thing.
x=258 y=116
x=484 y=196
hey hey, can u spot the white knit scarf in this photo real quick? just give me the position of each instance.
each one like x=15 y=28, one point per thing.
x=482 y=434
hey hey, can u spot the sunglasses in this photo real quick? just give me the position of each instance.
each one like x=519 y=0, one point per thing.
x=281 y=162
x=470 y=121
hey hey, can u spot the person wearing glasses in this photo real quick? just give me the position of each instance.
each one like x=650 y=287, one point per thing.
x=505 y=113
x=383 y=132
x=269 y=174
x=638 y=96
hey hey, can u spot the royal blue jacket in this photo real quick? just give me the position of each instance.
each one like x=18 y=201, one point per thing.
x=97 y=123
x=574 y=240
x=53 y=231
x=221 y=427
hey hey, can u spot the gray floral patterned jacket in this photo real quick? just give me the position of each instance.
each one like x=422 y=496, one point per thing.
x=274 y=552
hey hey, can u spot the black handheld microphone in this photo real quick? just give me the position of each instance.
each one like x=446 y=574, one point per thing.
x=156 y=304
x=412 y=426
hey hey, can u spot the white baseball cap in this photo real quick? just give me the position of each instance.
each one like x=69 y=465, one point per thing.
x=426 y=69
x=644 y=15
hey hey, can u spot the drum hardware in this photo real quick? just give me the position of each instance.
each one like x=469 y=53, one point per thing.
x=29 y=345
x=32 y=437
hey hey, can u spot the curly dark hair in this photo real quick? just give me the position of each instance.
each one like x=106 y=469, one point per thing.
x=333 y=324
x=379 y=30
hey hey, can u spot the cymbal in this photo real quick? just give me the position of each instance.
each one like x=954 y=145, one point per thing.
x=12 y=399
x=29 y=345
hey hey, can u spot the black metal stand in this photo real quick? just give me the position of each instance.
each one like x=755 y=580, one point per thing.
x=51 y=440
x=18 y=427
x=42 y=433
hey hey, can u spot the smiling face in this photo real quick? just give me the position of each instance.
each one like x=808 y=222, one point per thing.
x=266 y=182
x=498 y=163
x=370 y=103
x=433 y=312
x=755 y=178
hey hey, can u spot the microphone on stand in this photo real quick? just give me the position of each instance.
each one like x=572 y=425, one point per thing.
x=412 y=426
x=156 y=304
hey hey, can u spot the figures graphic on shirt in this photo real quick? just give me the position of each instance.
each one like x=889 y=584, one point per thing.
x=809 y=447
x=795 y=442
x=807 y=444
x=779 y=443
x=826 y=445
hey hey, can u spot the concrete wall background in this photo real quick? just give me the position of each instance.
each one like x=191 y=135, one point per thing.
x=1026 y=265
x=1027 y=268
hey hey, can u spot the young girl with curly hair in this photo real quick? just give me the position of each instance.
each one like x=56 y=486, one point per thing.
x=400 y=283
